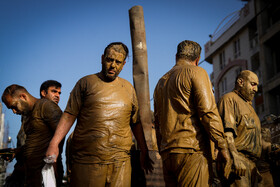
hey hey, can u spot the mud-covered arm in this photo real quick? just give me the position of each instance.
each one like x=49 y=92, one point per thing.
x=210 y=118
x=64 y=125
x=239 y=167
x=156 y=116
x=146 y=162
x=207 y=109
x=137 y=129
x=227 y=111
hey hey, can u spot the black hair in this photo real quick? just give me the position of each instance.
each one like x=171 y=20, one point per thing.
x=45 y=85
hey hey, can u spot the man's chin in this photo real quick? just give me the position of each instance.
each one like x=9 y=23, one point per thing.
x=110 y=77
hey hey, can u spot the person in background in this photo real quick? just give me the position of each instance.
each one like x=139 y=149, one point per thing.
x=51 y=89
x=40 y=120
x=242 y=129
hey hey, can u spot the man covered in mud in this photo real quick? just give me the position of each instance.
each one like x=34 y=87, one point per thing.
x=50 y=89
x=186 y=119
x=42 y=116
x=106 y=110
x=242 y=129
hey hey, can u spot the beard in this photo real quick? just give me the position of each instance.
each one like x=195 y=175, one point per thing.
x=247 y=94
x=107 y=76
x=24 y=108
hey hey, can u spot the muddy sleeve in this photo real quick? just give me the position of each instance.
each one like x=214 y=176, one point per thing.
x=75 y=100
x=207 y=108
x=226 y=110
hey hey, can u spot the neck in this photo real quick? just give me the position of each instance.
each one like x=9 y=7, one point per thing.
x=185 y=62
x=104 y=78
x=32 y=100
x=237 y=91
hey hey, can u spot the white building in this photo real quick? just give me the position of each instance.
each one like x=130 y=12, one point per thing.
x=248 y=40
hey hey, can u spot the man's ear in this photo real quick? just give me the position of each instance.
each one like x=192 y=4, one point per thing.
x=240 y=82
x=197 y=61
x=43 y=93
x=23 y=96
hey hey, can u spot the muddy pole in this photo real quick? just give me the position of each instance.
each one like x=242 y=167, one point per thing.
x=140 y=71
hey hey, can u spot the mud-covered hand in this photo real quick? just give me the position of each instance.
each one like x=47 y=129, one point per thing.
x=146 y=162
x=225 y=162
x=239 y=166
x=238 y=161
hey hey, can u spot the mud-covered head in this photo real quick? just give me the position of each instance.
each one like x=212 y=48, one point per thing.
x=247 y=84
x=113 y=60
x=188 y=50
x=15 y=98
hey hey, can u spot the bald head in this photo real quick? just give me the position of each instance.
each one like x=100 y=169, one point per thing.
x=247 y=84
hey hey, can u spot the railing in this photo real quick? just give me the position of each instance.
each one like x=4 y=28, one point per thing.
x=222 y=28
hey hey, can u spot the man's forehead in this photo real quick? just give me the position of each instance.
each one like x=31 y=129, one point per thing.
x=54 y=87
x=252 y=77
x=115 y=54
x=9 y=101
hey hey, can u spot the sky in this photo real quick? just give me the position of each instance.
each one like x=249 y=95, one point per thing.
x=63 y=40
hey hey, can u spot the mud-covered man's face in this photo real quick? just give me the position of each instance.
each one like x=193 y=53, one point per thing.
x=17 y=104
x=112 y=64
x=249 y=86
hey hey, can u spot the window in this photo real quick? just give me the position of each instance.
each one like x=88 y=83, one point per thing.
x=223 y=86
x=222 y=59
x=236 y=48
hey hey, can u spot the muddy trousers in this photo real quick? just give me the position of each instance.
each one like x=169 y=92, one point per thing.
x=186 y=169
x=117 y=174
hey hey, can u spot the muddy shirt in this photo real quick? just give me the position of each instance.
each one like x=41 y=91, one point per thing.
x=186 y=112
x=240 y=118
x=39 y=130
x=105 y=111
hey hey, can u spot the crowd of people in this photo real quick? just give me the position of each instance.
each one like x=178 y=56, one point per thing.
x=192 y=130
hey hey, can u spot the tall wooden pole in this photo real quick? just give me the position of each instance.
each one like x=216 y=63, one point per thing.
x=140 y=71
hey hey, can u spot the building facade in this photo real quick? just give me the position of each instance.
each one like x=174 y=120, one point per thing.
x=248 y=40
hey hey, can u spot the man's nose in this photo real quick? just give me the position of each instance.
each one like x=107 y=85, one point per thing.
x=255 y=89
x=113 y=64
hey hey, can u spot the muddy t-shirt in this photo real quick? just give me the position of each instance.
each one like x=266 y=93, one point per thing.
x=105 y=111
x=39 y=130
x=240 y=118
x=186 y=112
